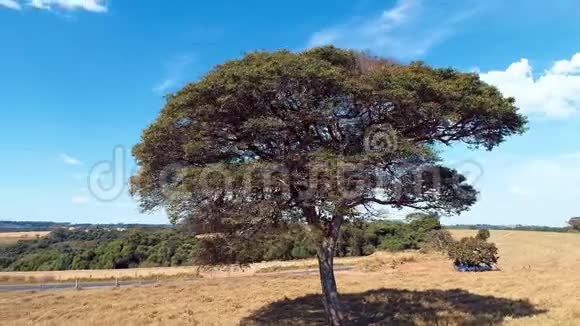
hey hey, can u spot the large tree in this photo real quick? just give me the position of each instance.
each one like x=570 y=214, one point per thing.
x=314 y=137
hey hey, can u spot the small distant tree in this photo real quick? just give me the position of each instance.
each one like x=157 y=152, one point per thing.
x=574 y=223
x=483 y=234
x=313 y=137
x=438 y=240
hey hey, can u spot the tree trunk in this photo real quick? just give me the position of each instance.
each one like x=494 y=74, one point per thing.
x=329 y=292
x=326 y=267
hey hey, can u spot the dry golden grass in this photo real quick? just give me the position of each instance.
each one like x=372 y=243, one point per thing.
x=13 y=237
x=101 y=274
x=539 y=284
x=380 y=258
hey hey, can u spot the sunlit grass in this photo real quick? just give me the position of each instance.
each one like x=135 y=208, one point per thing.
x=538 y=284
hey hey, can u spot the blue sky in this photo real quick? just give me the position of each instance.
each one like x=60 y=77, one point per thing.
x=80 y=79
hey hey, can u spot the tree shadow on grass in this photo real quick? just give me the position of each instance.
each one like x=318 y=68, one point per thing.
x=398 y=307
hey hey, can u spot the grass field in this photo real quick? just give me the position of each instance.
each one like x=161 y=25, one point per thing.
x=539 y=284
x=13 y=237
x=364 y=263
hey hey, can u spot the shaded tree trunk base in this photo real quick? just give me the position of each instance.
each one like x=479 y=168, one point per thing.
x=329 y=292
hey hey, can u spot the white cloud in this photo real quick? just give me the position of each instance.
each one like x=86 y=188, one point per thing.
x=541 y=190
x=79 y=200
x=67 y=159
x=553 y=180
x=407 y=30
x=555 y=92
x=387 y=21
x=98 y=6
x=164 y=86
x=571 y=66
x=11 y=4
x=176 y=71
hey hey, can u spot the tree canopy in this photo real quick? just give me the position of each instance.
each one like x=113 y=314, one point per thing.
x=315 y=136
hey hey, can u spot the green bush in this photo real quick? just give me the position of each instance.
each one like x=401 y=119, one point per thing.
x=394 y=244
x=397 y=236
x=473 y=252
x=438 y=240
x=483 y=234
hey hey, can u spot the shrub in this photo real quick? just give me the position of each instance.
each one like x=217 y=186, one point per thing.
x=483 y=234
x=397 y=236
x=438 y=240
x=394 y=244
x=574 y=223
x=473 y=252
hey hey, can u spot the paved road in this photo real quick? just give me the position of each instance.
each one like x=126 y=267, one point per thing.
x=58 y=286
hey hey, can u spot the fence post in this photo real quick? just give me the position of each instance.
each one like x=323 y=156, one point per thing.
x=77 y=286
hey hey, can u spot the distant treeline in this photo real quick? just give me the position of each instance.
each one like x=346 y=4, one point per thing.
x=25 y=226
x=517 y=227
x=22 y=226
x=358 y=238
x=99 y=248
x=102 y=248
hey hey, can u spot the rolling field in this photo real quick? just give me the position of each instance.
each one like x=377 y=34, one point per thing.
x=539 y=284
x=13 y=237
x=365 y=263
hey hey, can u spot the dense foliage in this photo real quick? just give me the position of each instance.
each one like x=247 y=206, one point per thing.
x=483 y=234
x=100 y=248
x=357 y=238
x=312 y=136
x=574 y=223
x=474 y=251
